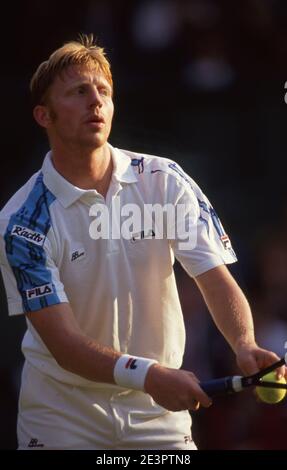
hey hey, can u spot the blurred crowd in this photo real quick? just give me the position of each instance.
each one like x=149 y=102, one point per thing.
x=201 y=82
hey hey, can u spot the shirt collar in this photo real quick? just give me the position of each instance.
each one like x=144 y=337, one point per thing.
x=123 y=171
x=67 y=193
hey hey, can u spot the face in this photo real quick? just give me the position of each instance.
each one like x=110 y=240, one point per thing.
x=79 y=109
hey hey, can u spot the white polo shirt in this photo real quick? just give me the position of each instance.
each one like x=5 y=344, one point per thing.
x=122 y=291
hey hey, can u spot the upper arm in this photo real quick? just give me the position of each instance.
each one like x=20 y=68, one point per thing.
x=30 y=274
x=215 y=279
x=219 y=287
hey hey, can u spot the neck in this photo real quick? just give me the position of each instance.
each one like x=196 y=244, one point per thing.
x=85 y=169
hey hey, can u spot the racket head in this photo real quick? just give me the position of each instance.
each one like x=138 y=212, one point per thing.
x=256 y=379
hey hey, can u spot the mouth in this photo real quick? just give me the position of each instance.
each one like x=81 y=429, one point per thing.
x=99 y=120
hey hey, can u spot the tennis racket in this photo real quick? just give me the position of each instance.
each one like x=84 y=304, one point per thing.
x=237 y=383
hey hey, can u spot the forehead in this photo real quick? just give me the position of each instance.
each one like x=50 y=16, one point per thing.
x=75 y=74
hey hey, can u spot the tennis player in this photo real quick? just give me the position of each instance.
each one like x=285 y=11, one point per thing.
x=105 y=334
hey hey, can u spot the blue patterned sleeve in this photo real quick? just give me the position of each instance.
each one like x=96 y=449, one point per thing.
x=30 y=275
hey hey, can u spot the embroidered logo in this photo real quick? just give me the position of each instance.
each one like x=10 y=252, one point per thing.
x=139 y=162
x=131 y=364
x=147 y=234
x=35 y=443
x=78 y=254
x=39 y=291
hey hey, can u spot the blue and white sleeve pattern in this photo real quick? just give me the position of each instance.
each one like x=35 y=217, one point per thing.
x=28 y=255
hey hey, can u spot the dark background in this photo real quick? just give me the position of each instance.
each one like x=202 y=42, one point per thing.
x=201 y=82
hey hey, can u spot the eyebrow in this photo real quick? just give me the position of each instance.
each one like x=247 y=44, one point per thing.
x=84 y=81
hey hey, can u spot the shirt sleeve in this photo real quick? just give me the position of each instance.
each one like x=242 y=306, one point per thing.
x=200 y=241
x=31 y=277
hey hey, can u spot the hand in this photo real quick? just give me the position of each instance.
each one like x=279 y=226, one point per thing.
x=251 y=358
x=175 y=389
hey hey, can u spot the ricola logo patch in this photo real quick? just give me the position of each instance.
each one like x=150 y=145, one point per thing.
x=39 y=291
x=30 y=235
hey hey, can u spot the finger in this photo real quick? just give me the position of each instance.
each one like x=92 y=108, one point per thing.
x=267 y=359
x=202 y=397
x=270 y=358
x=252 y=363
x=195 y=405
x=281 y=372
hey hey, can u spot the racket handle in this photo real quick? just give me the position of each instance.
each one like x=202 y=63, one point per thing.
x=222 y=386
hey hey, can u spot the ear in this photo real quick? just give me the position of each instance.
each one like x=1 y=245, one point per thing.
x=42 y=116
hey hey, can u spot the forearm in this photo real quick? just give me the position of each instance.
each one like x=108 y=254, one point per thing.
x=76 y=352
x=228 y=306
x=171 y=388
x=83 y=356
x=72 y=349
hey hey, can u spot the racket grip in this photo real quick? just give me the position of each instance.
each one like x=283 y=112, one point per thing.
x=218 y=387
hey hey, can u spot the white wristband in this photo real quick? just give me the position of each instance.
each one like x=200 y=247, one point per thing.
x=130 y=371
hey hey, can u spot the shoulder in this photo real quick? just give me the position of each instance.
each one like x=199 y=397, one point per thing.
x=156 y=167
x=16 y=201
x=149 y=163
x=28 y=209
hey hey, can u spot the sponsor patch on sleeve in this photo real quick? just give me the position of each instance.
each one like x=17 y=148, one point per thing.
x=226 y=242
x=39 y=291
x=30 y=235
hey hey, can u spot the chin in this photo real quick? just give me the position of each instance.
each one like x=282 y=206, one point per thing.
x=94 y=144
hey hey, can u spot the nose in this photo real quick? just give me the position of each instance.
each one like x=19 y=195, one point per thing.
x=95 y=98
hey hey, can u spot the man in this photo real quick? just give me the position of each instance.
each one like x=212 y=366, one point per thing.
x=105 y=335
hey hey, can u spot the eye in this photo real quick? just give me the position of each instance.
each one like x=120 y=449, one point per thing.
x=81 y=90
x=104 y=91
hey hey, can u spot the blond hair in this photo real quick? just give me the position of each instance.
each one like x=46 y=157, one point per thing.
x=83 y=52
